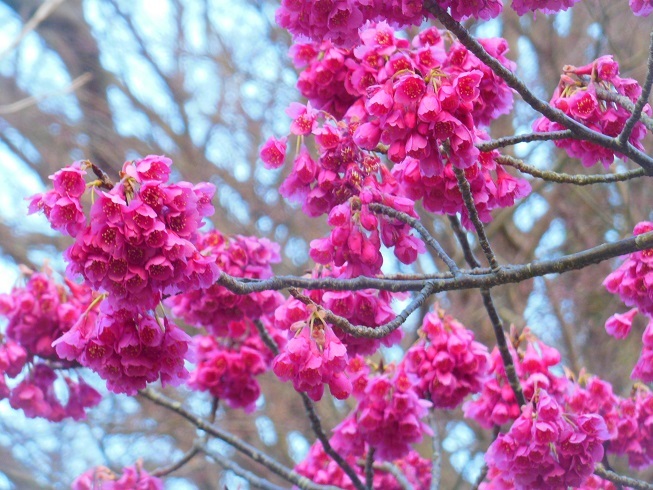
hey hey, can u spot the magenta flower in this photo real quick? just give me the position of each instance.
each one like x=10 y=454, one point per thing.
x=496 y=404
x=546 y=448
x=547 y=6
x=313 y=357
x=388 y=417
x=619 y=324
x=227 y=367
x=448 y=363
x=642 y=8
x=575 y=96
x=102 y=478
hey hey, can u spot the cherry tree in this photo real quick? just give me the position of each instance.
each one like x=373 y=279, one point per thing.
x=399 y=103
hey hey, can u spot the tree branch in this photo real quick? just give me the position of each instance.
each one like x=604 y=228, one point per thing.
x=240 y=445
x=562 y=178
x=509 y=274
x=414 y=223
x=621 y=480
x=369 y=468
x=624 y=102
x=524 y=138
x=166 y=470
x=42 y=13
x=396 y=472
x=468 y=198
x=371 y=332
x=642 y=101
x=497 y=324
x=316 y=425
x=436 y=457
x=254 y=480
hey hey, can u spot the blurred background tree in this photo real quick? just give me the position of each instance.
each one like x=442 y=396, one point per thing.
x=205 y=82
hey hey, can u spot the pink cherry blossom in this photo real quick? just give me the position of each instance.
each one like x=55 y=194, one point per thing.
x=547 y=448
x=448 y=363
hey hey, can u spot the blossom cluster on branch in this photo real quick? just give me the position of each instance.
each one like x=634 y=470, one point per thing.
x=38 y=313
x=391 y=126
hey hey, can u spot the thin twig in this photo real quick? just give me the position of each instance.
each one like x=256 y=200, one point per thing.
x=641 y=101
x=461 y=236
x=436 y=457
x=371 y=332
x=624 y=102
x=396 y=472
x=620 y=479
x=524 y=138
x=481 y=476
x=265 y=337
x=562 y=178
x=468 y=199
x=497 y=324
x=255 y=481
x=316 y=425
x=414 y=223
x=502 y=344
x=166 y=470
x=369 y=469
x=240 y=445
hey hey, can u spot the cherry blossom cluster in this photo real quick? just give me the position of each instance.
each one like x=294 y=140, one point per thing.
x=367 y=307
x=227 y=367
x=492 y=187
x=634 y=429
x=447 y=361
x=420 y=104
x=632 y=282
x=42 y=310
x=132 y=478
x=324 y=76
x=497 y=480
x=13 y=358
x=139 y=247
x=314 y=355
x=35 y=395
x=388 y=416
x=576 y=96
x=340 y=20
x=342 y=183
x=127 y=348
x=522 y=7
x=590 y=394
x=532 y=359
x=626 y=419
x=37 y=314
x=632 y=279
x=321 y=469
x=214 y=307
x=140 y=242
x=61 y=205
x=547 y=448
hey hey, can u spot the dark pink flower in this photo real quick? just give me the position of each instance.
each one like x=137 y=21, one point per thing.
x=273 y=152
x=619 y=324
